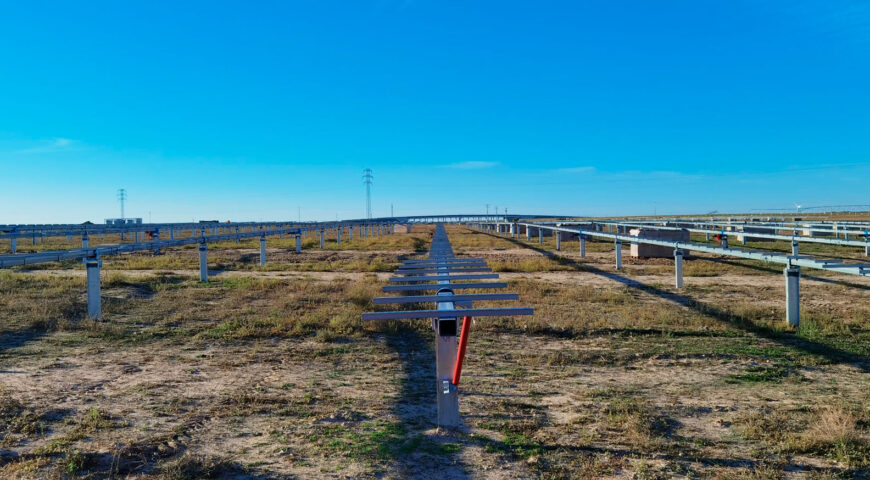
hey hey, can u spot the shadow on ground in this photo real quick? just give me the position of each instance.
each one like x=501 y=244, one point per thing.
x=787 y=339
x=415 y=408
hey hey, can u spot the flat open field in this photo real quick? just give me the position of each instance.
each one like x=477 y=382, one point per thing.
x=267 y=372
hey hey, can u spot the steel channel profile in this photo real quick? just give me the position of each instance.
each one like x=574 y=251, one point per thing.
x=104 y=250
x=440 y=268
x=449 y=348
x=772 y=236
x=860 y=269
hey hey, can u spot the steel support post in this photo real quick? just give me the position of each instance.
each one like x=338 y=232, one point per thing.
x=528 y=233
x=445 y=363
x=618 y=245
x=338 y=235
x=794 y=248
x=203 y=262
x=156 y=238
x=298 y=243
x=92 y=265
x=582 y=246
x=792 y=295
x=172 y=234
x=724 y=240
x=322 y=244
x=541 y=236
x=558 y=240
x=85 y=241
x=14 y=245
x=262 y=250
x=514 y=230
x=678 y=267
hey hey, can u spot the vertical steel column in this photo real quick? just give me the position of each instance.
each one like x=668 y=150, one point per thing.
x=792 y=295
x=338 y=235
x=321 y=239
x=724 y=237
x=513 y=230
x=558 y=240
x=172 y=234
x=582 y=246
x=155 y=237
x=92 y=265
x=794 y=248
x=618 y=245
x=203 y=261
x=262 y=250
x=540 y=236
x=445 y=362
x=237 y=235
x=298 y=243
x=678 y=267
x=350 y=233
x=528 y=233
x=14 y=245
x=85 y=240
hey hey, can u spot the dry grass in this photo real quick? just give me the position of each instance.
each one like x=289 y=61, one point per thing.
x=617 y=374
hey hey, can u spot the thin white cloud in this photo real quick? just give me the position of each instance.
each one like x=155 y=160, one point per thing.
x=53 y=145
x=472 y=165
x=576 y=170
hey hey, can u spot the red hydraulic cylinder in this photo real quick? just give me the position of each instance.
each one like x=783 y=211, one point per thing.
x=460 y=354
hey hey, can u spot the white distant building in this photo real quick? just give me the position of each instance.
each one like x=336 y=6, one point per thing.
x=123 y=221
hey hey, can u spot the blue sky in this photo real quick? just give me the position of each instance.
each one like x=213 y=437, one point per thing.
x=233 y=110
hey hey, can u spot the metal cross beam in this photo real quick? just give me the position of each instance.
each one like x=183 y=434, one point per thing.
x=443 y=268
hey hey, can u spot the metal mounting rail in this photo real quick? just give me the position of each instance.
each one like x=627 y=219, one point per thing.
x=753 y=234
x=791 y=272
x=106 y=250
x=441 y=268
x=861 y=269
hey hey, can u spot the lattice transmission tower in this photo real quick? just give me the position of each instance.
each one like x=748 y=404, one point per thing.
x=367 y=180
x=122 y=197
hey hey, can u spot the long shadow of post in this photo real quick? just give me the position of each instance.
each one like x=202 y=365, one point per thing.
x=416 y=407
x=830 y=353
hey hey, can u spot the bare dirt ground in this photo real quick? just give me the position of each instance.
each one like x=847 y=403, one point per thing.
x=266 y=372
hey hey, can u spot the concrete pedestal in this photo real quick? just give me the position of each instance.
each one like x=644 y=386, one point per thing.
x=95 y=307
x=262 y=251
x=792 y=295
x=618 y=245
x=203 y=262
x=678 y=268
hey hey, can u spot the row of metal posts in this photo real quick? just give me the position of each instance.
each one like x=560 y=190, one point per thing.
x=93 y=264
x=792 y=273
